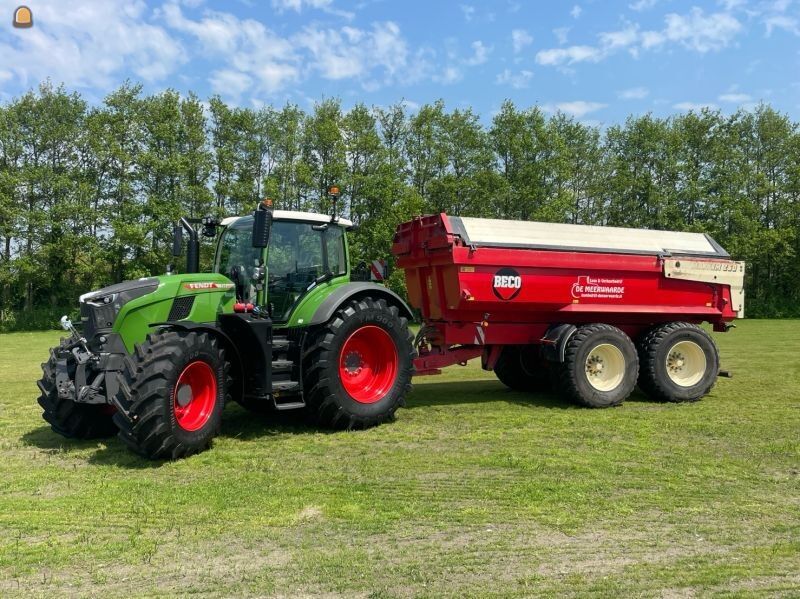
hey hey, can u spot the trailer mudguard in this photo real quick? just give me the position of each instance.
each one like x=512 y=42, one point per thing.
x=554 y=342
x=352 y=291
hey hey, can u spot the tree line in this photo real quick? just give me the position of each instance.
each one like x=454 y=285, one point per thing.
x=88 y=194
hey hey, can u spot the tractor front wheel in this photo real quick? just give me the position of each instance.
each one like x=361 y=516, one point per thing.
x=173 y=392
x=68 y=418
x=358 y=368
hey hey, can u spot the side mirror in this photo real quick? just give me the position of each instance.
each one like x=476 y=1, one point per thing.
x=210 y=225
x=262 y=223
x=177 y=240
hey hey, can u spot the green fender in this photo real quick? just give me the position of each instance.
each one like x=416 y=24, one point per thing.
x=349 y=291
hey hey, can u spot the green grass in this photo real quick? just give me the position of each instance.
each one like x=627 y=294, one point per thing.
x=473 y=490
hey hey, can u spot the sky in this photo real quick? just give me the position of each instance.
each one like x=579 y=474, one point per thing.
x=598 y=61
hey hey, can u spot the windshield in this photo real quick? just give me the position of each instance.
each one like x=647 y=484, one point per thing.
x=238 y=258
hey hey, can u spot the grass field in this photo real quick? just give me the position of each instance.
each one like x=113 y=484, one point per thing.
x=473 y=490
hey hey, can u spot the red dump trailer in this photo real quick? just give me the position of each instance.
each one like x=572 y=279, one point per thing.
x=592 y=309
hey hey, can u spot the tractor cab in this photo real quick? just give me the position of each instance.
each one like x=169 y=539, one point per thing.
x=303 y=250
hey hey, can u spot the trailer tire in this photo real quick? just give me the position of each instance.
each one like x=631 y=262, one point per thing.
x=68 y=418
x=600 y=366
x=679 y=362
x=368 y=341
x=521 y=368
x=173 y=390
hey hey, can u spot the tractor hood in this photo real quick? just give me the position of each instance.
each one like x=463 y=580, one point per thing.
x=99 y=309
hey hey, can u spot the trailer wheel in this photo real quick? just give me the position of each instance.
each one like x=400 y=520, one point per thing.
x=357 y=370
x=680 y=362
x=600 y=366
x=68 y=418
x=173 y=391
x=521 y=368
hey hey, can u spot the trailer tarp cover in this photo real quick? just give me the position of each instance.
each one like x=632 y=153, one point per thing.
x=537 y=235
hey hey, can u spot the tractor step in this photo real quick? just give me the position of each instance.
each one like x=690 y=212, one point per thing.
x=282 y=365
x=292 y=387
x=280 y=344
x=285 y=386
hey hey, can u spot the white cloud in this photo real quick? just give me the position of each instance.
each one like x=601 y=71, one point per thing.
x=694 y=106
x=352 y=52
x=449 y=75
x=468 y=11
x=577 y=108
x=701 y=32
x=633 y=93
x=576 y=11
x=611 y=40
x=561 y=34
x=570 y=55
x=248 y=47
x=230 y=83
x=695 y=30
x=641 y=5
x=732 y=4
x=520 y=38
x=784 y=22
x=519 y=80
x=89 y=44
x=735 y=98
x=480 y=54
x=298 y=5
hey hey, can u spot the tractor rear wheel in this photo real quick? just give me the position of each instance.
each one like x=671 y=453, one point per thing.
x=600 y=366
x=69 y=418
x=680 y=362
x=173 y=391
x=521 y=368
x=357 y=370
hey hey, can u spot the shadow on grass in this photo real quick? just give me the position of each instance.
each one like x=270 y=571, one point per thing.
x=472 y=392
x=238 y=423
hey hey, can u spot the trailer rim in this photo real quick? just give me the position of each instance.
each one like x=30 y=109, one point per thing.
x=368 y=364
x=605 y=367
x=686 y=363
x=195 y=395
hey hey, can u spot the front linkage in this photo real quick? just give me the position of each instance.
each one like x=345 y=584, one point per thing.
x=79 y=384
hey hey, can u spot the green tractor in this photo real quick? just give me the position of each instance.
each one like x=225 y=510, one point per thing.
x=279 y=324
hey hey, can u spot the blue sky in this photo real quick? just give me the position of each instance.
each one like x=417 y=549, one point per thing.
x=598 y=61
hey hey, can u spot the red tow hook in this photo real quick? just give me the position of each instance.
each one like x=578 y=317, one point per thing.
x=241 y=308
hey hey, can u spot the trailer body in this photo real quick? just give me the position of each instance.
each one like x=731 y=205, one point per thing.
x=483 y=283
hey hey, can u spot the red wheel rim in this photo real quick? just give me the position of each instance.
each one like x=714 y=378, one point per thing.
x=195 y=395
x=368 y=364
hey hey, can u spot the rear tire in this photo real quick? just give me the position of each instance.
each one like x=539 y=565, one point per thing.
x=357 y=369
x=521 y=368
x=680 y=362
x=600 y=366
x=68 y=418
x=174 y=390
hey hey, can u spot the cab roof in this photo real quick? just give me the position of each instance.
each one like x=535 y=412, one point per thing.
x=307 y=217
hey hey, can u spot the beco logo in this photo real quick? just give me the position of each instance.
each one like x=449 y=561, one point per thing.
x=507 y=284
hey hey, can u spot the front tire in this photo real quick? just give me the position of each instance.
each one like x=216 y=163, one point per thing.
x=174 y=391
x=68 y=418
x=357 y=370
x=680 y=362
x=600 y=366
